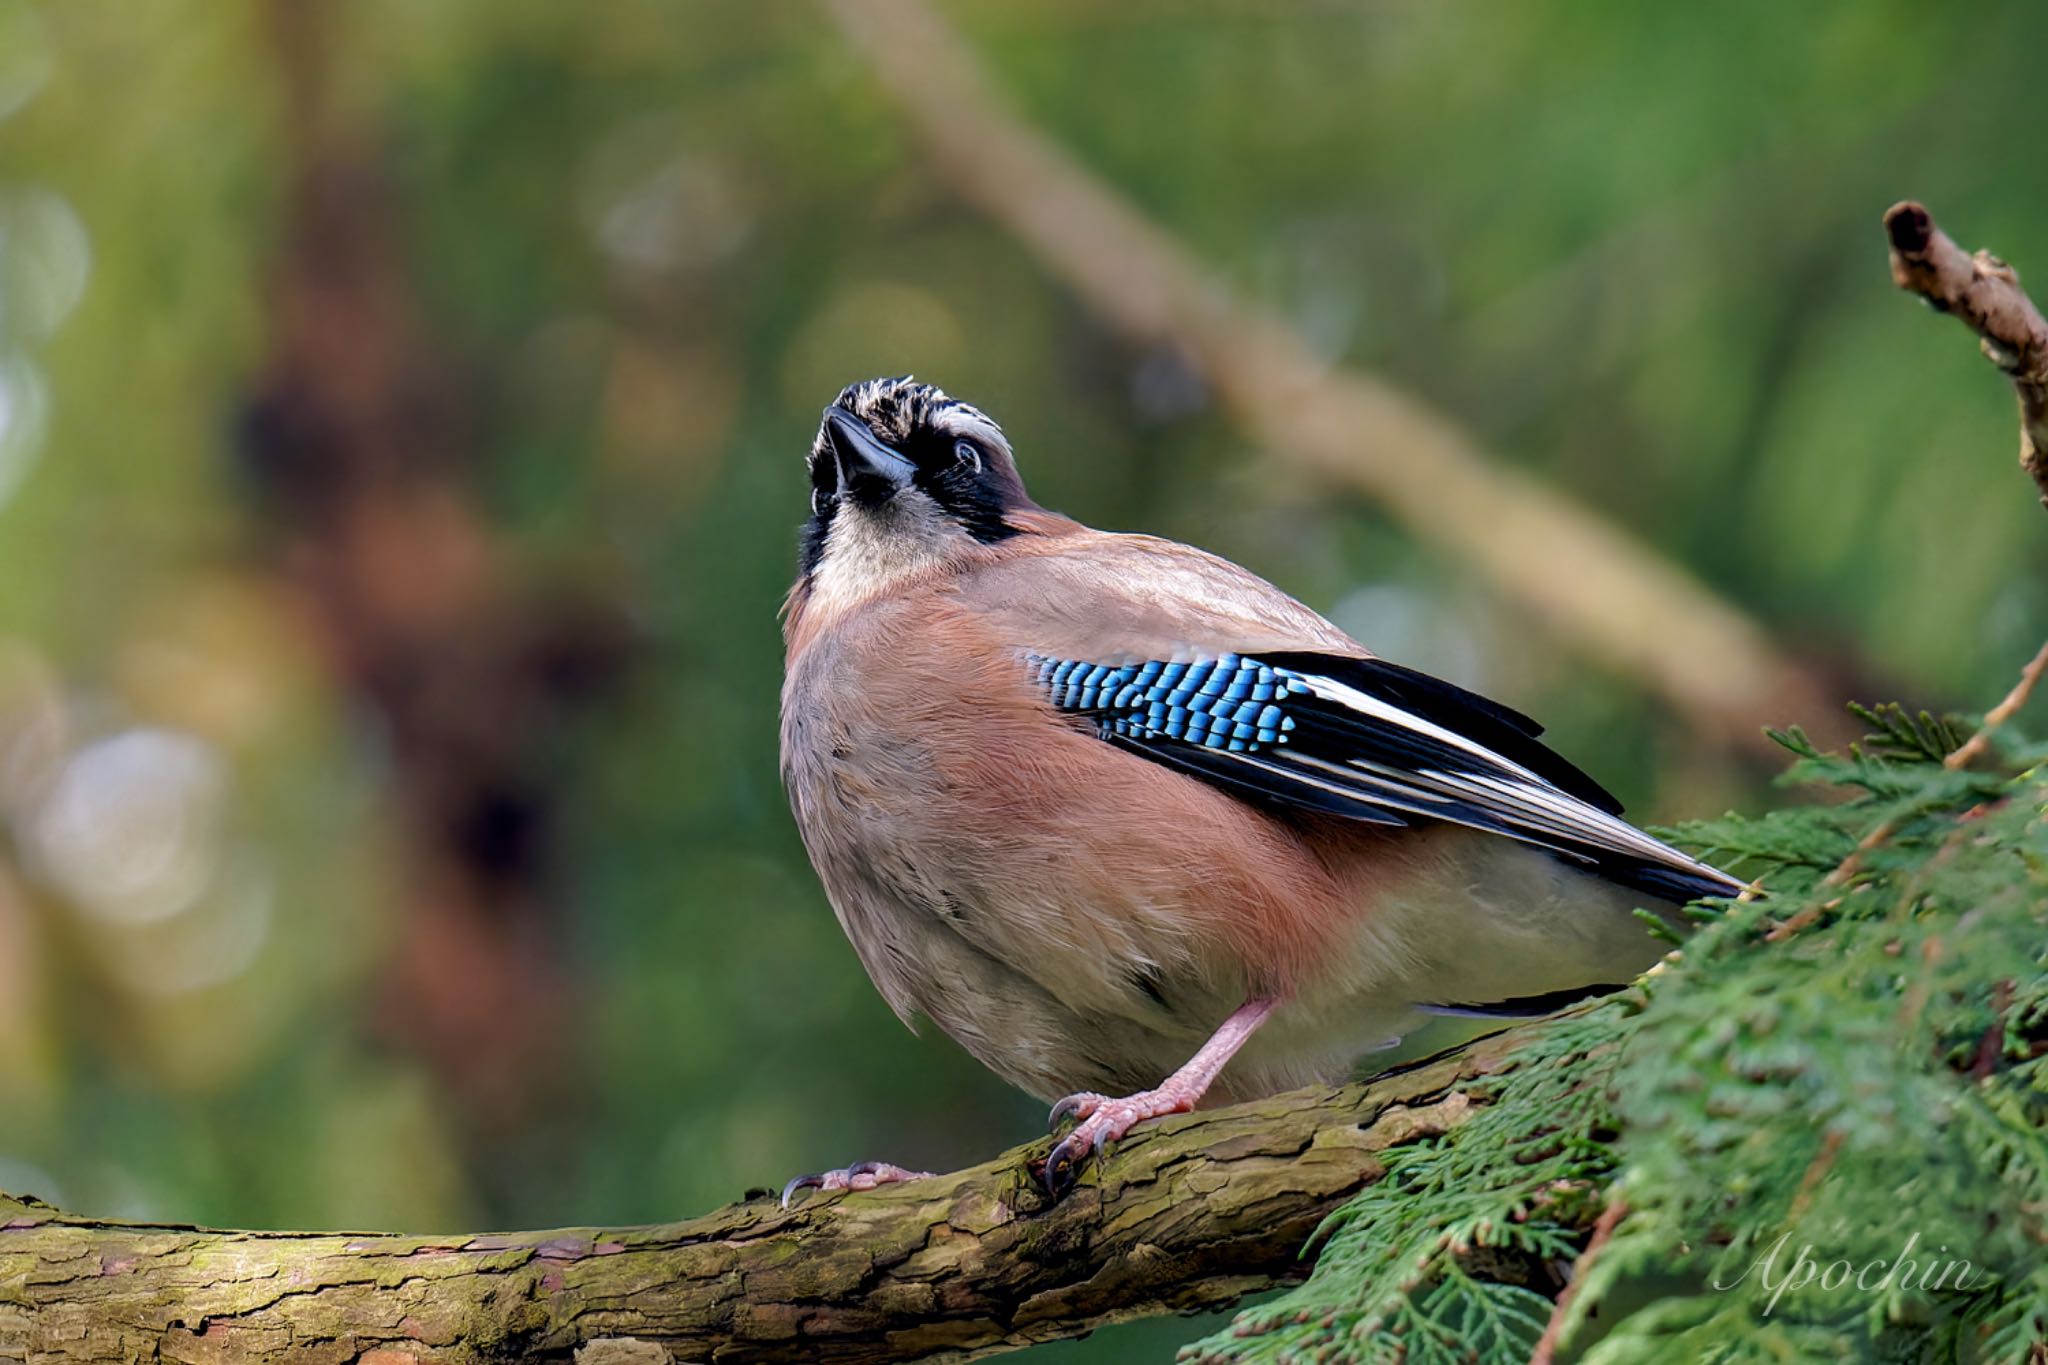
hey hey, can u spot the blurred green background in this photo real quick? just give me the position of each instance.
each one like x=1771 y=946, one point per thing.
x=402 y=413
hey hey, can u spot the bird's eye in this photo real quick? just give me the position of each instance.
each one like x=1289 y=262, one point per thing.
x=967 y=452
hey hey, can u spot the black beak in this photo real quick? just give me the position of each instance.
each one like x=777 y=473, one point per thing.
x=869 y=472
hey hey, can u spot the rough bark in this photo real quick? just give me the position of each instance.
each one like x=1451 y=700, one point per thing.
x=1191 y=1213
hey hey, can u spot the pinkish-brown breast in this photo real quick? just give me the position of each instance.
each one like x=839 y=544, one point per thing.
x=927 y=770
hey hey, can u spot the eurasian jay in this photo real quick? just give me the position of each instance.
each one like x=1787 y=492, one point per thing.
x=1109 y=809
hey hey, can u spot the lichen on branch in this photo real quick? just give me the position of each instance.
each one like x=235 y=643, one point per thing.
x=1190 y=1213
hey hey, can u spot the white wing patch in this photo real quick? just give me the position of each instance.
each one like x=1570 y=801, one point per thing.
x=1502 y=788
x=1370 y=740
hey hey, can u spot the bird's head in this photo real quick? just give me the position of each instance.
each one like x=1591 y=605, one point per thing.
x=903 y=475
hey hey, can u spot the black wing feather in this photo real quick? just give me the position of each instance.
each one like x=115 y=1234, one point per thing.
x=1259 y=780
x=1372 y=741
x=1502 y=729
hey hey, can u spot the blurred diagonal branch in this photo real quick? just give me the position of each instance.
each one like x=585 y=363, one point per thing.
x=1985 y=293
x=1598 y=586
x=1189 y=1214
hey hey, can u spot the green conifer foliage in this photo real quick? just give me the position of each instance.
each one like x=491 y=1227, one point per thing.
x=1817 y=1130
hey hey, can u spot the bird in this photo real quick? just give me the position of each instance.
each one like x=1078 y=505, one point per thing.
x=1139 y=830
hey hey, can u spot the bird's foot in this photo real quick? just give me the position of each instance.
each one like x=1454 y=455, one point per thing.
x=1105 y=1119
x=862 y=1175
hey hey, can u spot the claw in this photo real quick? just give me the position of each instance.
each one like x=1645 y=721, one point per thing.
x=862 y=1175
x=1078 y=1106
x=802 y=1182
x=1063 y=1167
x=1103 y=1121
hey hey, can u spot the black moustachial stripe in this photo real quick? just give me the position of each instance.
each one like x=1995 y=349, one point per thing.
x=1372 y=741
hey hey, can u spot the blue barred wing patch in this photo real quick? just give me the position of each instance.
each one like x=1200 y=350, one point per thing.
x=1368 y=740
x=1229 y=703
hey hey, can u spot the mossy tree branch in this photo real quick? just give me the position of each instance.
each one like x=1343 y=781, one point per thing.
x=1192 y=1213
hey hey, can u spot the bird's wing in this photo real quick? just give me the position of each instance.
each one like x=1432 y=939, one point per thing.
x=1096 y=594
x=1193 y=663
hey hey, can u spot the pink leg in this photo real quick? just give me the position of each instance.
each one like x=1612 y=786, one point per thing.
x=863 y=1175
x=1104 y=1120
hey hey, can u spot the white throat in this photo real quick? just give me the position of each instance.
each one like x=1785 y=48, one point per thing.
x=870 y=551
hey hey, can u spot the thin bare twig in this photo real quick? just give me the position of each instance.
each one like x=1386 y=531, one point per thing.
x=1985 y=293
x=1603 y=1232
x=1816 y=1171
x=1991 y=1048
x=2030 y=677
x=1596 y=585
x=1810 y=915
x=1844 y=870
x=1963 y=755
